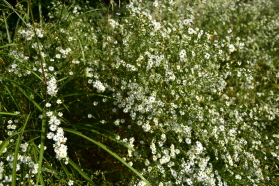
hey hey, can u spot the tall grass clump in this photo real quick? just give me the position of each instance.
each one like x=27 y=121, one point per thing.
x=164 y=92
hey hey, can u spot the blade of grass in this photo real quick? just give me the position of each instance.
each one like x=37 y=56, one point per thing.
x=109 y=151
x=16 y=151
x=82 y=52
x=84 y=14
x=32 y=71
x=86 y=93
x=65 y=169
x=7 y=28
x=3 y=145
x=8 y=45
x=83 y=174
x=13 y=98
x=10 y=6
x=24 y=93
x=82 y=126
x=42 y=144
x=8 y=113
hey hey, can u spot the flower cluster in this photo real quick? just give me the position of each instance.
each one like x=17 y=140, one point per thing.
x=57 y=135
x=30 y=32
x=23 y=160
x=190 y=96
x=99 y=86
x=52 y=87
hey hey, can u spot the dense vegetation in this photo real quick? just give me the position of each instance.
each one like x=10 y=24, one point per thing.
x=163 y=92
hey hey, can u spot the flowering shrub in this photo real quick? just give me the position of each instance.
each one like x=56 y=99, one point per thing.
x=171 y=93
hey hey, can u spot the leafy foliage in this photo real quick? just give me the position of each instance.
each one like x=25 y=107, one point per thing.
x=164 y=92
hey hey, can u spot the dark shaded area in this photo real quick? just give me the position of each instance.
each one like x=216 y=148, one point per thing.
x=44 y=6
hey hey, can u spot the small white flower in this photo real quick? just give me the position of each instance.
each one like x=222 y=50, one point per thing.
x=48 y=105
x=231 y=48
x=51 y=68
x=57 y=122
x=48 y=114
x=70 y=182
x=58 y=56
x=207 y=56
x=191 y=31
x=53 y=127
x=50 y=135
x=187 y=21
x=35 y=171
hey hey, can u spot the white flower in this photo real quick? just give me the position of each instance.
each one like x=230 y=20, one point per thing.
x=207 y=56
x=48 y=105
x=99 y=85
x=57 y=122
x=191 y=31
x=49 y=113
x=53 y=127
x=155 y=3
x=50 y=135
x=187 y=21
x=10 y=158
x=34 y=171
x=58 y=56
x=156 y=25
x=52 y=87
x=238 y=177
x=70 y=182
x=231 y=48
x=146 y=127
x=51 y=68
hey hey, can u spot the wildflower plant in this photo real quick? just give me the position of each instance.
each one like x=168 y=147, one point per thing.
x=179 y=92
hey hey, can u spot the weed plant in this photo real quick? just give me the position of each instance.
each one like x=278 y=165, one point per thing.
x=164 y=92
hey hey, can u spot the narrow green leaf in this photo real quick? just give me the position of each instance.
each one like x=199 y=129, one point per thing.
x=81 y=126
x=13 y=98
x=7 y=45
x=17 y=150
x=84 y=14
x=87 y=93
x=24 y=93
x=15 y=160
x=3 y=145
x=8 y=113
x=7 y=28
x=65 y=169
x=109 y=151
x=30 y=99
x=32 y=71
x=42 y=144
x=83 y=174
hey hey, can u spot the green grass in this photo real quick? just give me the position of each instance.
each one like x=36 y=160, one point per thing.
x=140 y=93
